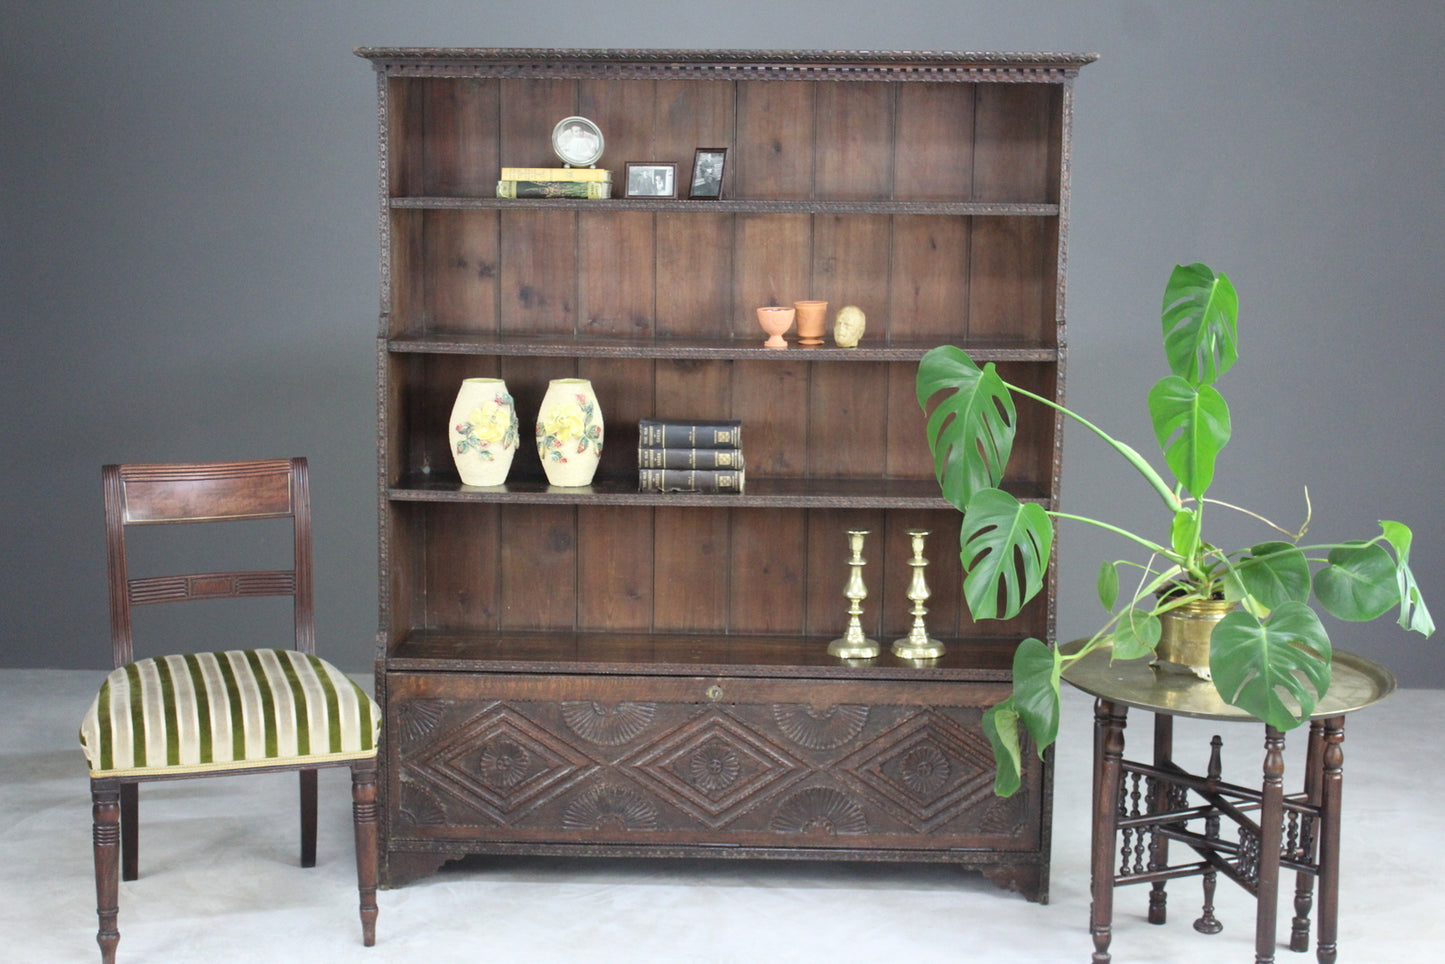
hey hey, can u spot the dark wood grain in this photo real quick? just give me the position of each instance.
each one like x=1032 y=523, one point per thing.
x=774 y=141
x=619 y=275
x=933 y=151
x=539 y=567
x=460 y=251
x=539 y=272
x=930 y=272
x=1011 y=147
x=853 y=153
x=461 y=148
x=768 y=571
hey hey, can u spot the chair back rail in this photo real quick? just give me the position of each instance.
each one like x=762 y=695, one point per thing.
x=148 y=494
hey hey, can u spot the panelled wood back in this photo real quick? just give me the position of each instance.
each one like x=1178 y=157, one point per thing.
x=214 y=492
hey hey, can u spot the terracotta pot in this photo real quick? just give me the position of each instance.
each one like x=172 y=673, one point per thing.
x=775 y=320
x=812 y=321
x=1184 y=636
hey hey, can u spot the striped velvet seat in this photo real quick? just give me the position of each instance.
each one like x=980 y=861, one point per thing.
x=192 y=715
x=224 y=711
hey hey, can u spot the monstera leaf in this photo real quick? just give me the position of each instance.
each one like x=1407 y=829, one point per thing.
x=1359 y=583
x=1137 y=635
x=1001 y=726
x=1256 y=664
x=1036 y=670
x=1413 y=614
x=1274 y=573
x=1005 y=551
x=1201 y=337
x=971 y=432
x=1192 y=426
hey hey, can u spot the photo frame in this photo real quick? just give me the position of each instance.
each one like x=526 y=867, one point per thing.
x=650 y=179
x=577 y=141
x=708 y=164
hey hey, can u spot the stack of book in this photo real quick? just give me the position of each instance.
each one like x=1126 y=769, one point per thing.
x=690 y=455
x=581 y=182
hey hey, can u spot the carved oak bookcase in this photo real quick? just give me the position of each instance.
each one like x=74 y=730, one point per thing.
x=601 y=671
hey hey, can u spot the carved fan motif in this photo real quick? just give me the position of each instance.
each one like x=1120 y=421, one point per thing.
x=419 y=808
x=608 y=724
x=1006 y=814
x=820 y=729
x=609 y=808
x=416 y=718
x=819 y=810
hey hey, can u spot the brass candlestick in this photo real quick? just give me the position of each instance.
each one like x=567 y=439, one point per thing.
x=853 y=644
x=918 y=644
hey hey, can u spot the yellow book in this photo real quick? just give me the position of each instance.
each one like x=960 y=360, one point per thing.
x=555 y=174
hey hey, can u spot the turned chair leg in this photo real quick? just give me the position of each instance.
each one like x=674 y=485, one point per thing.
x=363 y=809
x=105 y=814
x=308 y=818
x=130 y=831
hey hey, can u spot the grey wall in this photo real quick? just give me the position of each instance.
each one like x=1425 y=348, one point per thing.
x=189 y=238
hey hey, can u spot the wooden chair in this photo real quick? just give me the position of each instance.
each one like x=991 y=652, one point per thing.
x=206 y=714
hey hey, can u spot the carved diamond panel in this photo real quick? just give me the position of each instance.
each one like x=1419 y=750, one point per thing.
x=926 y=770
x=714 y=769
x=501 y=763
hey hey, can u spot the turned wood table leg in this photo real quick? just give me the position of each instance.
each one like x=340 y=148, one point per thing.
x=1331 y=790
x=1207 y=922
x=1271 y=818
x=1158 y=803
x=1304 y=889
x=1109 y=721
x=363 y=808
x=105 y=814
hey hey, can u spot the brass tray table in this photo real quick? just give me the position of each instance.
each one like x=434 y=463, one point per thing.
x=1140 y=808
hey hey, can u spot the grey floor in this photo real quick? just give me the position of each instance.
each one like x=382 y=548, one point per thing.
x=219 y=880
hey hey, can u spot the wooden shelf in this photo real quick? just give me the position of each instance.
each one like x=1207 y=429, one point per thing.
x=790 y=206
x=677 y=654
x=691 y=349
x=809 y=493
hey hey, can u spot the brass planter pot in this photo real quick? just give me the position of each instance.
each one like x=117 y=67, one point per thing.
x=1184 y=636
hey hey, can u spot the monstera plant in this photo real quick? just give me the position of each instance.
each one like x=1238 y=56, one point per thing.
x=1270 y=656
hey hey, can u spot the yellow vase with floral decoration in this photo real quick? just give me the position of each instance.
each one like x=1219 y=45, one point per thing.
x=569 y=432
x=483 y=431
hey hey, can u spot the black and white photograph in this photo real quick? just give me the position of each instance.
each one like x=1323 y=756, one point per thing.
x=707 y=173
x=577 y=141
x=650 y=179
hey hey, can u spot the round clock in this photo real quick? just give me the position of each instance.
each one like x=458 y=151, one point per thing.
x=577 y=141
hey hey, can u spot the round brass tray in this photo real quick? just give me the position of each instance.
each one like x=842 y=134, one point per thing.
x=1356 y=683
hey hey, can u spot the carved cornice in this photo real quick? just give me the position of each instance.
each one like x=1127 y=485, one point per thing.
x=822 y=65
